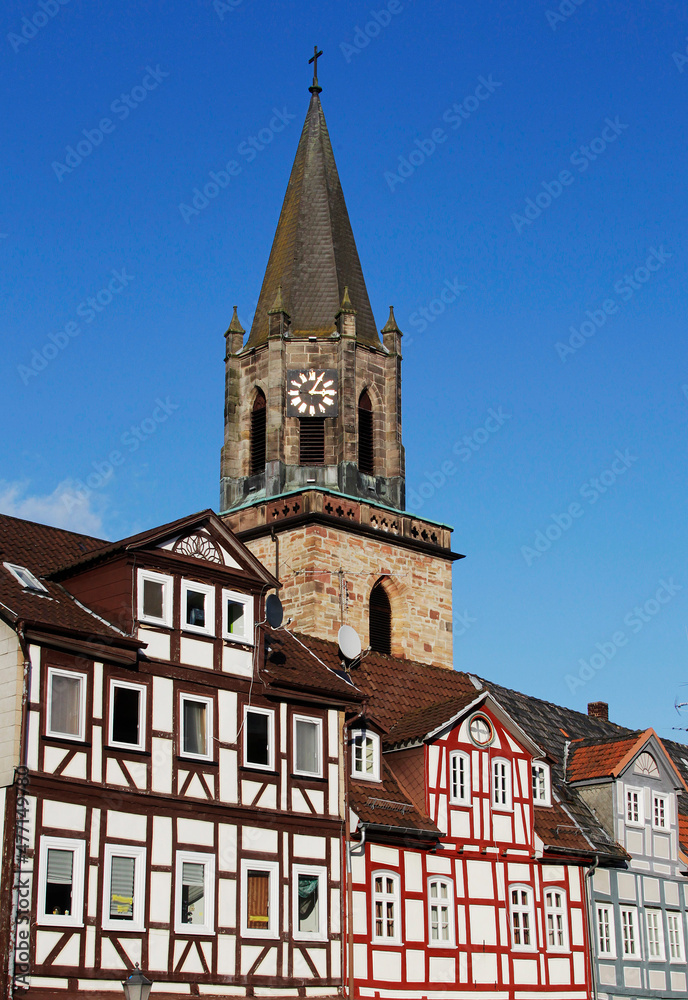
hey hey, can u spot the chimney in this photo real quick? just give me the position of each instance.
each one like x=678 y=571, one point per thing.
x=598 y=709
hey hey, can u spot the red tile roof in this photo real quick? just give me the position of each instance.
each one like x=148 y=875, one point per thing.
x=385 y=804
x=592 y=758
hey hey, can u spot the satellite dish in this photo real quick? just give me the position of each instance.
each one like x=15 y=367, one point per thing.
x=274 y=611
x=349 y=642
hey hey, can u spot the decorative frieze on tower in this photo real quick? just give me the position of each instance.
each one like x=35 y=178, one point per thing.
x=313 y=460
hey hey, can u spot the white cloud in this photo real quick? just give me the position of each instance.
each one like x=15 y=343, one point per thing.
x=63 y=508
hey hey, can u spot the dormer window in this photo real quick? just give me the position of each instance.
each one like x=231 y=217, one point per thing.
x=198 y=608
x=541 y=785
x=26 y=578
x=365 y=755
x=155 y=598
x=237 y=616
x=660 y=812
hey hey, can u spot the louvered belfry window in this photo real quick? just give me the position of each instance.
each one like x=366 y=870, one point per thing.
x=366 y=462
x=380 y=620
x=258 y=414
x=312 y=441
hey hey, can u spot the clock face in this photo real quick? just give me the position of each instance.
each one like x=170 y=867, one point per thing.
x=480 y=730
x=312 y=392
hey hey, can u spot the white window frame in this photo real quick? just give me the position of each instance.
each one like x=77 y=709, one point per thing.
x=26 y=578
x=385 y=897
x=209 y=592
x=312 y=872
x=632 y=790
x=312 y=720
x=631 y=914
x=360 y=735
x=247 y=601
x=654 y=915
x=546 y=798
x=664 y=799
x=608 y=909
x=142 y=689
x=209 y=741
x=49 y=731
x=272 y=931
x=167 y=587
x=139 y=856
x=501 y=806
x=195 y=858
x=530 y=910
x=270 y=766
x=454 y=757
x=78 y=848
x=678 y=917
x=450 y=907
x=551 y=910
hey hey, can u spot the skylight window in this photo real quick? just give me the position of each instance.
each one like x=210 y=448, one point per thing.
x=26 y=578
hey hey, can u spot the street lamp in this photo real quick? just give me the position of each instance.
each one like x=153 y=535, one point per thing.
x=137 y=987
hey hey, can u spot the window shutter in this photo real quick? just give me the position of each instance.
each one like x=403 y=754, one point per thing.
x=258 y=425
x=312 y=441
x=122 y=888
x=193 y=877
x=366 y=462
x=60 y=866
x=380 y=620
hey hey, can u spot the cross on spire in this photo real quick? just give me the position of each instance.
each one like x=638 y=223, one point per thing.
x=315 y=88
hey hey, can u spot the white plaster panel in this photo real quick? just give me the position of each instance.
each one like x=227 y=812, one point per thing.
x=160 y=897
x=413 y=867
x=77 y=767
x=64 y=815
x=553 y=873
x=384 y=855
x=317 y=799
x=415 y=965
x=387 y=966
x=600 y=881
x=607 y=974
x=361 y=961
x=197 y=652
x=334 y=859
x=484 y=967
x=415 y=920
x=97 y=754
x=459 y=823
x=237 y=661
x=157 y=644
x=90 y=949
x=226 y=961
x=158 y=944
x=95 y=833
x=442 y=969
x=559 y=971
x=34 y=737
x=626 y=885
x=35 y=689
x=358 y=868
x=227 y=902
x=333 y=789
x=227 y=854
x=678 y=982
x=579 y=967
x=163 y=704
x=632 y=976
x=518 y=873
x=227 y=716
x=433 y=762
x=501 y=828
x=268 y=800
x=574 y=885
x=161 y=851
x=525 y=970
x=662 y=846
x=435 y=863
x=360 y=911
x=195 y=831
x=335 y=911
x=309 y=847
x=126 y=826
x=92 y=890
x=333 y=734
x=577 y=926
x=229 y=790
x=657 y=979
x=97 y=690
x=256 y=838
x=479 y=879
x=161 y=765
x=671 y=893
x=651 y=890
x=634 y=842
x=442 y=823
x=482 y=924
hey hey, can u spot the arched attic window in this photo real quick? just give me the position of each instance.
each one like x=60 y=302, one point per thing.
x=380 y=620
x=258 y=415
x=366 y=461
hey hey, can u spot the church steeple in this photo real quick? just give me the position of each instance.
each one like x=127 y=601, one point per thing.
x=314 y=255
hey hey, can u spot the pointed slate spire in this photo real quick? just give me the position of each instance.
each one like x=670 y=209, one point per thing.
x=391 y=324
x=234 y=335
x=346 y=306
x=314 y=256
x=235 y=326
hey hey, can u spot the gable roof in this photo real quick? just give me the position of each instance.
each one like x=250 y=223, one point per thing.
x=40 y=547
x=606 y=758
x=385 y=806
x=292 y=662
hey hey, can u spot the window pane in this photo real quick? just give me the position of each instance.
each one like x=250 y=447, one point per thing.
x=65 y=705
x=153 y=603
x=193 y=893
x=236 y=622
x=125 y=715
x=58 y=882
x=307 y=746
x=257 y=738
x=122 y=889
x=195 y=608
x=195 y=734
x=309 y=910
x=258 y=901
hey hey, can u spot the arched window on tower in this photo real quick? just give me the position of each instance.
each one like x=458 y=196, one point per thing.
x=380 y=620
x=258 y=414
x=366 y=462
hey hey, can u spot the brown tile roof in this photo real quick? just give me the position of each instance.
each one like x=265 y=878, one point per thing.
x=557 y=829
x=39 y=547
x=314 y=255
x=385 y=804
x=420 y=722
x=293 y=662
x=593 y=758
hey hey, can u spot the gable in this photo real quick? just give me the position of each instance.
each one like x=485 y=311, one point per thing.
x=200 y=544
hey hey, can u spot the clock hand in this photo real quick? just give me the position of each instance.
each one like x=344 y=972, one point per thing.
x=315 y=384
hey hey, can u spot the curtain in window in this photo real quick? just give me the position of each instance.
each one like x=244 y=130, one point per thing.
x=307 y=746
x=193 y=893
x=122 y=888
x=195 y=734
x=258 y=901
x=308 y=903
x=65 y=705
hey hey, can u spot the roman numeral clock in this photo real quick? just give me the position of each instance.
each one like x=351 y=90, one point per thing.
x=312 y=392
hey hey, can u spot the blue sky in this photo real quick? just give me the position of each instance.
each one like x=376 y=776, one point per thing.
x=526 y=160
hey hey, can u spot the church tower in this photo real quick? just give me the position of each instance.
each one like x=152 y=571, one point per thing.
x=312 y=468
